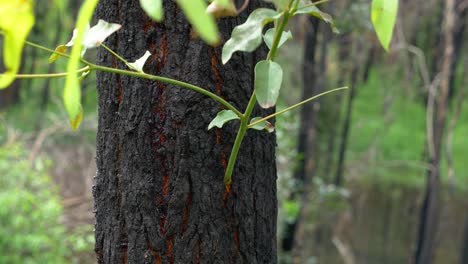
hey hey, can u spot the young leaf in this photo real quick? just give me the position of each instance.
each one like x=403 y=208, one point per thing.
x=383 y=16
x=270 y=35
x=268 y=78
x=16 y=20
x=264 y=125
x=203 y=23
x=307 y=7
x=55 y=56
x=248 y=36
x=93 y=37
x=221 y=118
x=154 y=9
x=138 y=64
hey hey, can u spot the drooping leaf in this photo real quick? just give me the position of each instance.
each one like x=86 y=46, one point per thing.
x=264 y=125
x=138 y=64
x=76 y=121
x=72 y=92
x=307 y=7
x=221 y=118
x=383 y=16
x=268 y=78
x=55 y=56
x=203 y=23
x=16 y=21
x=248 y=36
x=154 y=9
x=270 y=35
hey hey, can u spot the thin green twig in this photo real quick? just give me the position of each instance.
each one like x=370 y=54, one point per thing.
x=296 y=105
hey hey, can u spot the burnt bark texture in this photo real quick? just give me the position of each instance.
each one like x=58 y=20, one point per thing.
x=159 y=191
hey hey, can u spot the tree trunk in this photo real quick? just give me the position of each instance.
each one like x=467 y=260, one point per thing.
x=430 y=211
x=307 y=129
x=464 y=247
x=349 y=109
x=159 y=191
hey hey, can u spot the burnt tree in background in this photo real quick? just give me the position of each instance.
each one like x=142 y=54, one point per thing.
x=159 y=191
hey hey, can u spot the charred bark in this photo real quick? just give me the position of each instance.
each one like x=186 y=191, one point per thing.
x=159 y=191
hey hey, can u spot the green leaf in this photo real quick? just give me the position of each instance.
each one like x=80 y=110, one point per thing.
x=202 y=22
x=270 y=35
x=55 y=56
x=154 y=9
x=221 y=118
x=268 y=78
x=264 y=125
x=383 y=16
x=307 y=7
x=16 y=21
x=72 y=92
x=248 y=36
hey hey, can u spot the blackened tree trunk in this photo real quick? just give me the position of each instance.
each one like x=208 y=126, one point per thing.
x=159 y=191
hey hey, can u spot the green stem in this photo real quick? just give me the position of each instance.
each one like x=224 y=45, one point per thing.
x=239 y=138
x=250 y=106
x=309 y=5
x=296 y=105
x=278 y=34
x=48 y=75
x=169 y=81
x=118 y=56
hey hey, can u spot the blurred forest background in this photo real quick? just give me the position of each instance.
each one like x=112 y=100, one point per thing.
x=378 y=174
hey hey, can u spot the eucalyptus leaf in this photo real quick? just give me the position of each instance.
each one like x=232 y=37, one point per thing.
x=221 y=118
x=307 y=7
x=383 y=16
x=154 y=9
x=268 y=78
x=203 y=23
x=138 y=64
x=72 y=92
x=16 y=21
x=270 y=35
x=264 y=125
x=248 y=36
